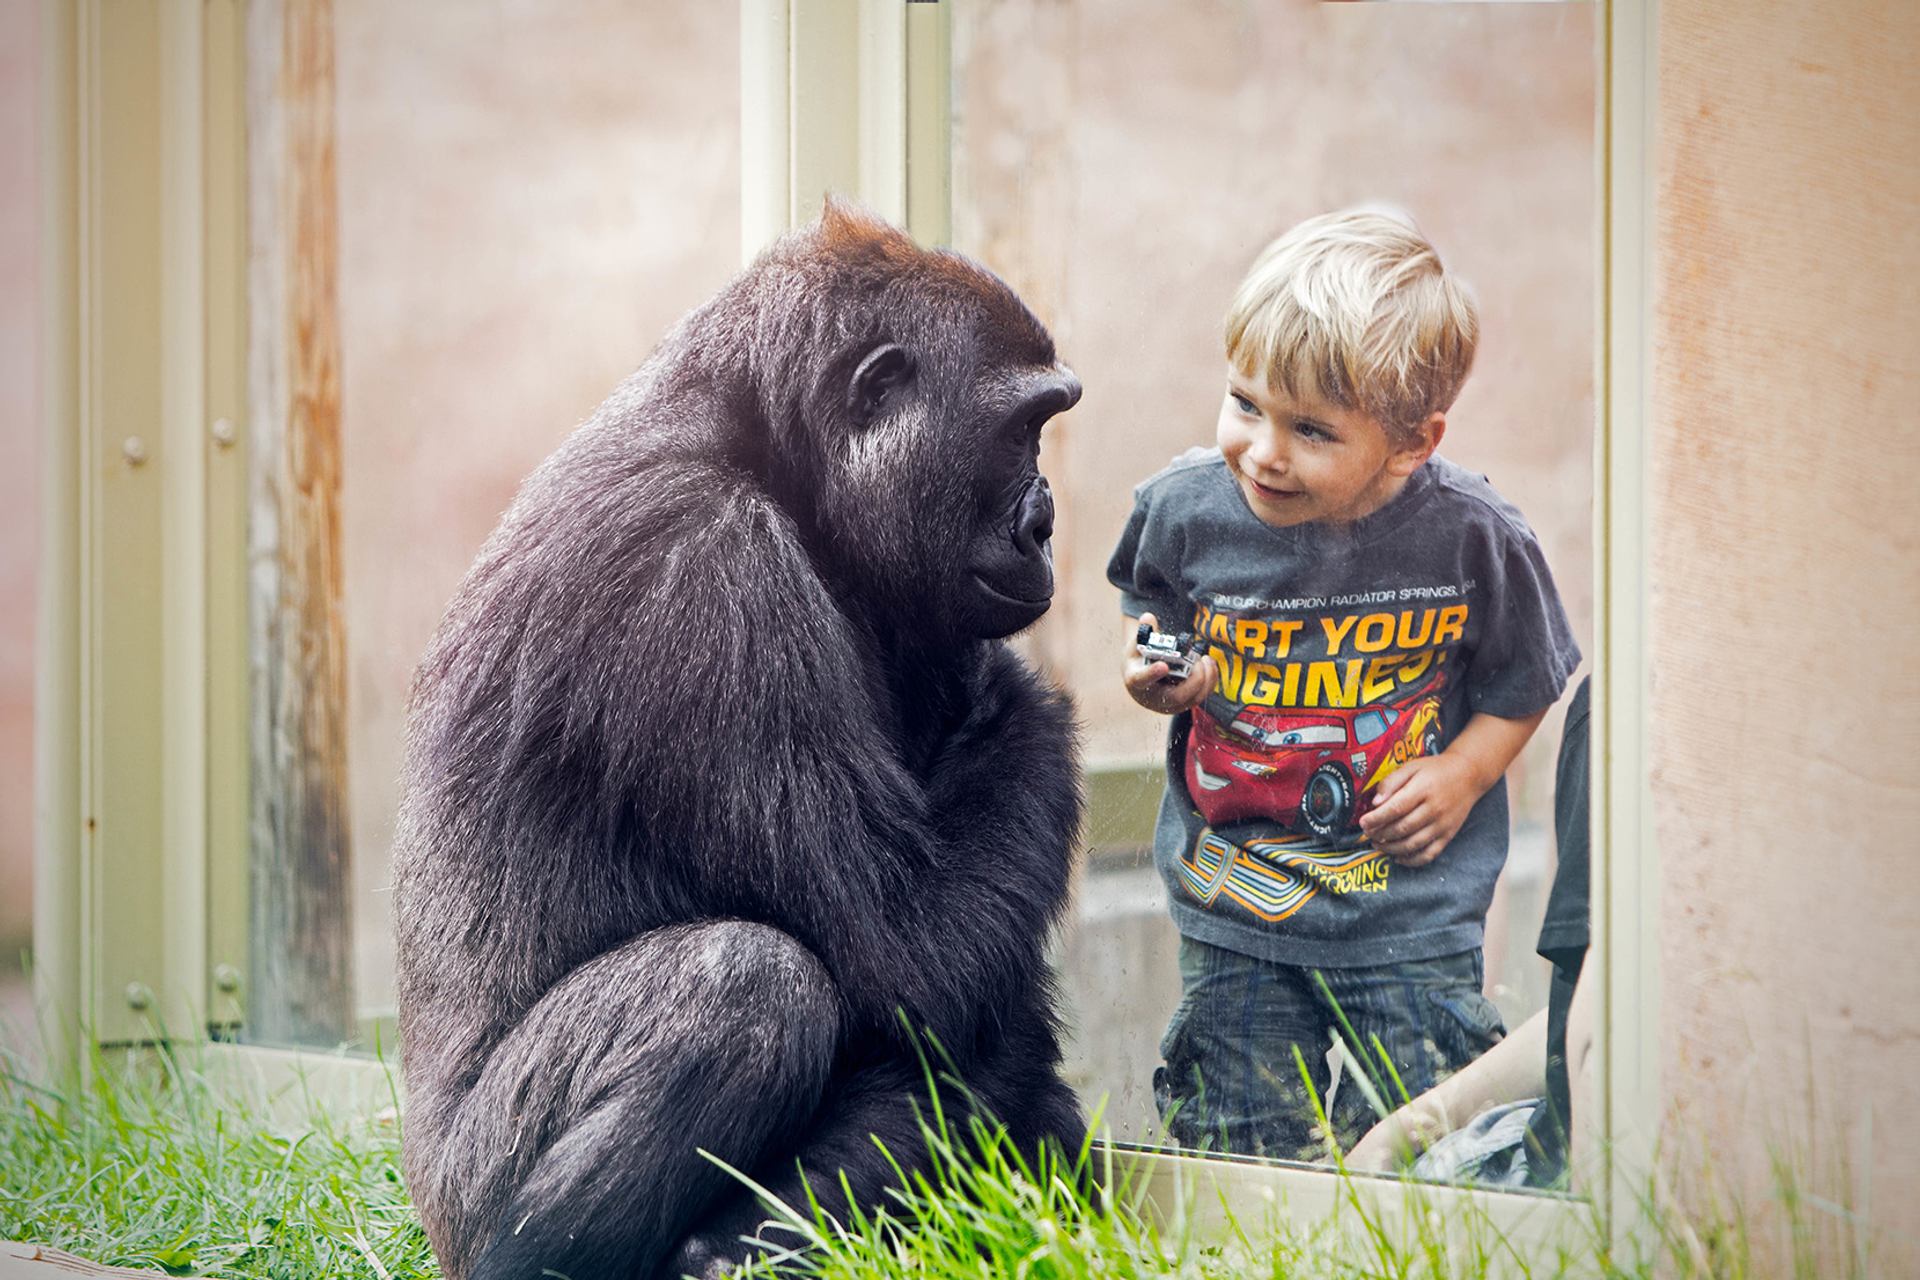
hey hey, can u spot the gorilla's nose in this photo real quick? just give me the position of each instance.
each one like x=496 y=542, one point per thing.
x=1070 y=381
x=1033 y=521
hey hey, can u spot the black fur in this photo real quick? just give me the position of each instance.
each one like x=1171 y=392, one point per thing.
x=716 y=763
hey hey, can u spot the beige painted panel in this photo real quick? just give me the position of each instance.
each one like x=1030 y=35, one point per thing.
x=125 y=461
x=1786 y=571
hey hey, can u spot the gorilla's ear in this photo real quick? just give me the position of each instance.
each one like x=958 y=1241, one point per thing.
x=886 y=369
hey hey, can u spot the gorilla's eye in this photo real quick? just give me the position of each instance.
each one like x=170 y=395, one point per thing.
x=1026 y=434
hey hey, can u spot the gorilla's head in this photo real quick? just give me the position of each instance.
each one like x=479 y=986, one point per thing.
x=904 y=392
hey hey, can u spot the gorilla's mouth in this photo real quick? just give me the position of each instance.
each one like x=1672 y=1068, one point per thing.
x=987 y=586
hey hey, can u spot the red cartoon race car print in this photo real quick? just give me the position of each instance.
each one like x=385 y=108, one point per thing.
x=1311 y=770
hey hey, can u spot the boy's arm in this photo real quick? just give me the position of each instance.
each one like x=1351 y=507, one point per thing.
x=1421 y=806
x=1144 y=679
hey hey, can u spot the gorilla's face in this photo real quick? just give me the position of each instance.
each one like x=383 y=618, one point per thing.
x=938 y=501
x=1009 y=553
x=912 y=463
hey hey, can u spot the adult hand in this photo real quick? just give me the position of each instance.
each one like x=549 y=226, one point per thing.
x=1391 y=1145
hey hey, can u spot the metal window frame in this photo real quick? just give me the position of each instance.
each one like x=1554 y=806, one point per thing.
x=140 y=749
x=139 y=669
x=849 y=97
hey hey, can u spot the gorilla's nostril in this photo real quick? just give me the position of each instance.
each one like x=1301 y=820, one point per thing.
x=1033 y=517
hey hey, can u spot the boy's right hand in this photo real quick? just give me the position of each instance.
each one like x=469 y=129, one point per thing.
x=1146 y=681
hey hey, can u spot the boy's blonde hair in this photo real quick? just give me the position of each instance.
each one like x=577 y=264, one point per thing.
x=1355 y=309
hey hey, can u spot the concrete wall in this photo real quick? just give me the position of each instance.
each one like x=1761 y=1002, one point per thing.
x=1786 y=542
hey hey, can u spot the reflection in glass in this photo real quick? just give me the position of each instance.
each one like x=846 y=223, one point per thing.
x=1121 y=165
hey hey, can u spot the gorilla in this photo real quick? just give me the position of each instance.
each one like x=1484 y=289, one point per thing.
x=721 y=789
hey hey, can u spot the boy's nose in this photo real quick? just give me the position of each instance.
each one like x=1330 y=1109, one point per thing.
x=1267 y=453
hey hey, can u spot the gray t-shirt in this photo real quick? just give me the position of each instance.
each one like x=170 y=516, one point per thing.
x=1343 y=651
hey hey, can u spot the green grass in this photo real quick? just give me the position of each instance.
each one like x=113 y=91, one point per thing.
x=153 y=1164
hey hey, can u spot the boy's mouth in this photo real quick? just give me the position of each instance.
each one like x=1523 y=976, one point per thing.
x=1271 y=495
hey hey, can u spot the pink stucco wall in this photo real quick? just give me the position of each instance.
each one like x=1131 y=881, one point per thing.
x=529 y=196
x=19 y=461
x=1786 y=576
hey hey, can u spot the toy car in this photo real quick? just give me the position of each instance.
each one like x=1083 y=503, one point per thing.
x=1179 y=652
x=1313 y=770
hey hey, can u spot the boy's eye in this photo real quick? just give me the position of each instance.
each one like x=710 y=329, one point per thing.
x=1311 y=430
x=1244 y=405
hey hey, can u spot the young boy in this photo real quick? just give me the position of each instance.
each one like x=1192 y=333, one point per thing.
x=1382 y=638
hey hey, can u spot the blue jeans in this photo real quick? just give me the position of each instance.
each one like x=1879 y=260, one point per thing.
x=1230 y=1082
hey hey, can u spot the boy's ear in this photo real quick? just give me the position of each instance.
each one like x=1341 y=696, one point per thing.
x=1426 y=438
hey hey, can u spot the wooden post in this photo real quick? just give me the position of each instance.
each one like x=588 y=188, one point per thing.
x=300 y=987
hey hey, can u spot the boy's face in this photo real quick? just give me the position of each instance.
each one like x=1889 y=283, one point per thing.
x=1300 y=460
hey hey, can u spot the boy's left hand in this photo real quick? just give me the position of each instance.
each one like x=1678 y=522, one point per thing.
x=1420 y=807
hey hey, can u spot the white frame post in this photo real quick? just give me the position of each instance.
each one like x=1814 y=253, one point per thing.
x=184 y=445
x=1625 y=901
x=59 y=927
x=766 y=174
x=848 y=97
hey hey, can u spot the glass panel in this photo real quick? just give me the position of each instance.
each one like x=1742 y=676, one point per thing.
x=513 y=242
x=1121 y=165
